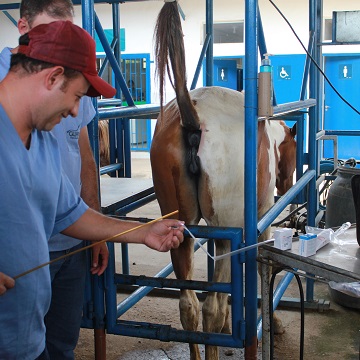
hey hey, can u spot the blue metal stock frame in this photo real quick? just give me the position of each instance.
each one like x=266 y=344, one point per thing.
x=101 y=315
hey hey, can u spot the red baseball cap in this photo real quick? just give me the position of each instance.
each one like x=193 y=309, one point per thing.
x=65 y=44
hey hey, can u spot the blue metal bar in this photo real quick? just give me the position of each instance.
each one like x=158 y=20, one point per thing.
x=201 y=59
x=123 y=143
x=109 y=168
x=161 y=282
x=300 y=159
x=140 y=293
x=131 y=112
x=293 y=106
x=182 y=14
x=10 y=17
x=237 y=296
x=113 y=62
x=210 y=262
x=116 y=35
x=125 y=258
x=97 y=282
x=116 y=209
x=343 y=132
x=251 y=66
x=119 y=126
x=315 y=14
x=167 y=333
x=110 y=286
x=106 y=61
x=285 y=200
x=307 y=66
x=278 y=293
x=197 y=231
x=313 y=128
x=112 y=144
x=209 y=79
x=11 y=6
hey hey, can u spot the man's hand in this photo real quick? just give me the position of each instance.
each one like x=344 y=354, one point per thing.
x=6 y=282
x=164 y=235
x=100 y=258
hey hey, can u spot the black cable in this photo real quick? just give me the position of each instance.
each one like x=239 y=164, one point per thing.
x=313 y=60
x=302 y=320
x=271 y=310
x=287 y=217
x=302 y=313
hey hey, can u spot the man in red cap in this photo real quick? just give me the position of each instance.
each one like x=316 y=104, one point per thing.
x=55 y=65
x=68 y=276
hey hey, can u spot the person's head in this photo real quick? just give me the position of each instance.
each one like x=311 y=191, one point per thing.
x=61 y=43
x=36 y=12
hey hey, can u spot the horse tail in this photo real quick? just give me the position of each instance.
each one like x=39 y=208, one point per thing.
x=169 y=46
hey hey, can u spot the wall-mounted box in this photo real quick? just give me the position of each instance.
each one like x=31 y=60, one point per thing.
x=346 y=26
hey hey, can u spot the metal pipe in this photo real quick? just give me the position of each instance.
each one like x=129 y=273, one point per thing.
x=140 y=293
x=307 y=66
x=113 y=62
x=201 y=59
x=209 y=81
x=251 y=66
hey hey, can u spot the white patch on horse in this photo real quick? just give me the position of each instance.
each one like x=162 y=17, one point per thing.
x=221 y=152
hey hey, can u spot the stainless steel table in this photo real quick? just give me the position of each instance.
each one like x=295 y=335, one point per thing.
x=337 y=261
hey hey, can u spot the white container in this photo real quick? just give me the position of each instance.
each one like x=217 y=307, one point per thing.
x=283 y=239
x=307 y=244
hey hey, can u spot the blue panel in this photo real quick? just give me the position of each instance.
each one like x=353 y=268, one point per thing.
x=109 y=36
x=225 y=73
x=344 y=73
x=287 y=76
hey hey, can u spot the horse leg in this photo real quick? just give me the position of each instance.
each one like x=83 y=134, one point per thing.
x=183 y=262
x=176 y=191
x=215 y=309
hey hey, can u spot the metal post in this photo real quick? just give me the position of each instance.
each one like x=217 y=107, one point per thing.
x=251 y=65
x=265 y=311
x=209 y=52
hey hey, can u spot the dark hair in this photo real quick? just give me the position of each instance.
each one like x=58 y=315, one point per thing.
x=57 y=9
x=33 y=66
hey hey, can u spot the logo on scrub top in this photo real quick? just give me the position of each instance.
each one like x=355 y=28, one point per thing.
x=74 y=134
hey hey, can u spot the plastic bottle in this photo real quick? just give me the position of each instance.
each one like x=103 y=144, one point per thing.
x=265 y=89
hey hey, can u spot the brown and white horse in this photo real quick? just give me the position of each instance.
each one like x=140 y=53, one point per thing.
x=197 y=159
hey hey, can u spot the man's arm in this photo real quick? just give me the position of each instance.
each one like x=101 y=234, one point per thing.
x=162 y=235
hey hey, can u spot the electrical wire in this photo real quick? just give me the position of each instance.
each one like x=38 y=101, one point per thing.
x=302 y=312
x=313 y=60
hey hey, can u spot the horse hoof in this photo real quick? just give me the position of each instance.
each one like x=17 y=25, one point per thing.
x=278 y=328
